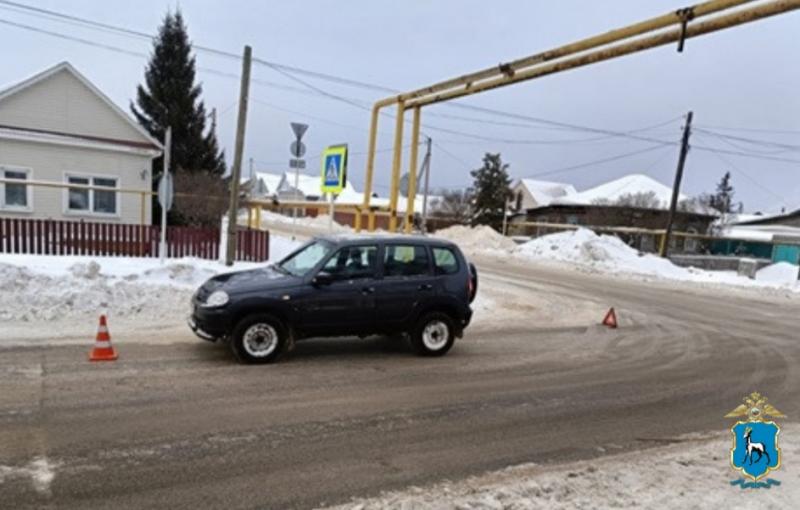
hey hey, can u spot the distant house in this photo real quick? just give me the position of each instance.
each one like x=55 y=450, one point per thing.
x=530 y=193
x=758 y=235
x=57 y=126
x=607 y=206
x=622 y=190
x=262 y=184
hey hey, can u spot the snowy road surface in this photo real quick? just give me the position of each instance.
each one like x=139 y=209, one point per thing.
x=176 y=424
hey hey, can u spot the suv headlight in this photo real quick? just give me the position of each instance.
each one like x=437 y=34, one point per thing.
x=217 y=298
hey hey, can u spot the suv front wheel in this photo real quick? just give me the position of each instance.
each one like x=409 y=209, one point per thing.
x=258 y=338
x=434 y=334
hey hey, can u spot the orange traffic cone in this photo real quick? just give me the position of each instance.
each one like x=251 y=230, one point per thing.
x=103 y=351
x=611 y=319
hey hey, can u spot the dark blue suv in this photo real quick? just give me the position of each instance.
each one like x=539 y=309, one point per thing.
x=342 y=286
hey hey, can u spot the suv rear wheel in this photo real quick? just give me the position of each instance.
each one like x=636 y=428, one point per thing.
x=258 y=338
x=434 y=334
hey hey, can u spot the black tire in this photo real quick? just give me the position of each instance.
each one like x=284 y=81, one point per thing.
x=426 y=343
x=262 y=327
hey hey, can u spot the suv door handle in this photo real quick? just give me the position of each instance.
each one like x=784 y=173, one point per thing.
x=425 y=286
x=368 y=290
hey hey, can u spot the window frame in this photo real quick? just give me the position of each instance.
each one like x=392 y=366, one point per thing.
x=90 y=210
x=376 y=271
x=384 y=253
x=28 y=189
x=433 y=260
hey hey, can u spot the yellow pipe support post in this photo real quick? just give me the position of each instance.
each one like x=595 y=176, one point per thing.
x=250 y=217
x=258 y=217
x=370 y=170
x=397 y=160
x=412 y=172
x=371 y=220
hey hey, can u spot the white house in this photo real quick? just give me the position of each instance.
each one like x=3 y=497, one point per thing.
x=58 y=127
x=611 y=192
x=262 y=184
x=530 y=193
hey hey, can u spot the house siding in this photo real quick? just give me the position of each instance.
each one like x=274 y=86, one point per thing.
x=52 y=162
x=62 y=103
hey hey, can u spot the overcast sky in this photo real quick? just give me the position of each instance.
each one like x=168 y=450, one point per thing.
x=744 y=77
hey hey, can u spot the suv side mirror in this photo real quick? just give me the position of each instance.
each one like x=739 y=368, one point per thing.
x=322 y=278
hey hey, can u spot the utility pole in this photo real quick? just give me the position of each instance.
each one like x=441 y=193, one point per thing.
x=676 y=188
x=236 y=171
x=426 y=167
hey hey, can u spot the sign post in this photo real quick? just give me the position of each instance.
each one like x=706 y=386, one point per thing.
x=334 y=175
x=166 y=191
x=298 y=150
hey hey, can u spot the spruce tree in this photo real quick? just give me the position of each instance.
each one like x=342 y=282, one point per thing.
x=491 y=191
x=170 y=97
x=722 y=200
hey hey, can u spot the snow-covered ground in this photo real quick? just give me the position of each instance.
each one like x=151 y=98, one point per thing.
x=692 y=472
x=56 y=300
x=606 y=254
x=59 y=298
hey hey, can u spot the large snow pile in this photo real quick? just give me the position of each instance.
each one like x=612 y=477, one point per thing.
x=40 y=287
x=584 y=247
x=609 y=254
x=87 y=286
x=478 y=238
x=781 y=273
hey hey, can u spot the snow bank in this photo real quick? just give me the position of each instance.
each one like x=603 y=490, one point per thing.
x=609 y=253
x=86 y=287
x=480 y=238
x=781 y=273
x=692 y=473
x=39 y=287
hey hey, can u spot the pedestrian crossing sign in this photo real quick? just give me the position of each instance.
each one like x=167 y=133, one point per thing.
x=334 y=169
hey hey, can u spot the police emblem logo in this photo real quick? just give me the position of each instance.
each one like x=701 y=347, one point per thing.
x=755 y=450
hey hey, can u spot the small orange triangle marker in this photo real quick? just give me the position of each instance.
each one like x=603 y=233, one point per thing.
x=611 y=319
x=103 y=350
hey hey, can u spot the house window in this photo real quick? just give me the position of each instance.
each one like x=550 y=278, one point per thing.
x=93 y=201
x=13 y=195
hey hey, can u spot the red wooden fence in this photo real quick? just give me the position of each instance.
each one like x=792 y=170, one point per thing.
x=52 y=237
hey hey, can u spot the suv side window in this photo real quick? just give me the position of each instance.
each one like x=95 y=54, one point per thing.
x=444 y=261
x=352 y=262
x=405 y=260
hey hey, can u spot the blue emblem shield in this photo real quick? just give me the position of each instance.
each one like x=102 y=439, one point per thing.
x=755 y=449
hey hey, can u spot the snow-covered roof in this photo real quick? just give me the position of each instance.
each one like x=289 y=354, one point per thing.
x=307 y=185
x=545 y=192
x=612 y=191
x=762 y=233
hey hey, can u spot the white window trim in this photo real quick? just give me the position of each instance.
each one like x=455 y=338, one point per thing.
x=90 y=211
x=28 y=189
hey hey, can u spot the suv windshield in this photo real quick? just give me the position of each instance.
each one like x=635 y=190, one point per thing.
x=306 y=258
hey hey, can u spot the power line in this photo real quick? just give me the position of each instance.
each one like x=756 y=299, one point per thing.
x=744 y=174
x=281 y=68
x=593 y=163
x=287 y=70
x=754 y=130
x=753 y=141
